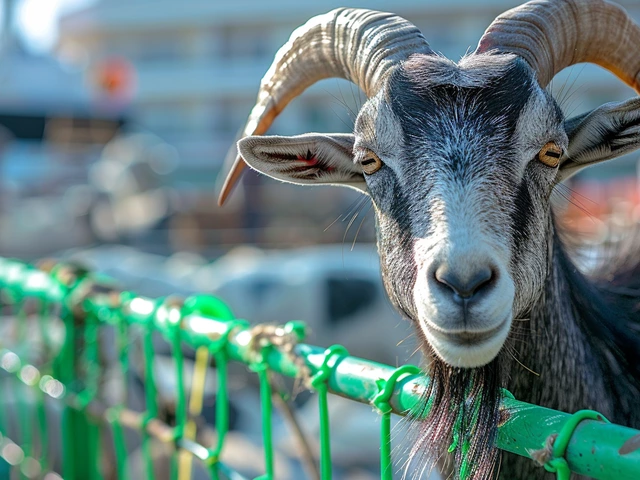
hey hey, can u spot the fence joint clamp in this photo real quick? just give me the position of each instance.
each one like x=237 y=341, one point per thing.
x=386 y=387
x=331 y=356
x=557 y=444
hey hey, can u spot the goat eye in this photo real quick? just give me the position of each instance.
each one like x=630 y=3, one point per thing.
x=370 y=162
x=550 y=154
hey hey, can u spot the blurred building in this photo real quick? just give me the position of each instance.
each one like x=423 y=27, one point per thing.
x=44 y=109
x=50 y=133
x=188 y=71
x=198 y=63
x=195 y=68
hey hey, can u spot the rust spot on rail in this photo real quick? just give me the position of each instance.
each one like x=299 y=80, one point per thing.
x=631 y=445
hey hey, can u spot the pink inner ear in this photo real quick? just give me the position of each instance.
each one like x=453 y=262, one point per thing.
x=313 y=161
x=309 y=161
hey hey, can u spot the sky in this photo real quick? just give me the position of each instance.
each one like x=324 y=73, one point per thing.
x=36 y=20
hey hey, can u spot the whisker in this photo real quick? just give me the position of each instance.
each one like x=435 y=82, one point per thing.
x=575 y=203
x=358 y=204
x=416 y=350
x=342 y=101
x=582 y=89
x=332 y=223
x=576 y=193
x=405 y=339
x=359 y=227
x=571 y=112
x=350 y=209
x=357 y=101
x=347 y=125
x=562 y=100
x=359 y=207
x=522 y=364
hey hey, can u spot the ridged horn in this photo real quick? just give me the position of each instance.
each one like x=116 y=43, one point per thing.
x=553 y=34
x=359 y=45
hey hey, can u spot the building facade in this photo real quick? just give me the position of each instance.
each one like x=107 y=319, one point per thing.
x=196 y=67
x=198 y=63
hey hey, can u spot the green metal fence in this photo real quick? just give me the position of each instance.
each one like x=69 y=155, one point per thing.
x=53 y=355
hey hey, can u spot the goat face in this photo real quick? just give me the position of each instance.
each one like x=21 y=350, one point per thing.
x=459 y=160
x=462 y=160
x=461 y=202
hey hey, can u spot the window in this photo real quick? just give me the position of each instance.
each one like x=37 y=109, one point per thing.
x=348 y=296
x=246 y=42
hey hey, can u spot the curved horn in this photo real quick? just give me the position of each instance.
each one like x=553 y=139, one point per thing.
x=355 y=44
x=553 y=34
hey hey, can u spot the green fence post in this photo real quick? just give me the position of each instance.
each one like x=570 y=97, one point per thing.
x=381 y=402
x=41 y=406
x=119 y=444
x=195 y=311
x=584 y=442
x=169 y=319
x=319 y=382
x=79 y=457
x=150 y=392
x=21 y=397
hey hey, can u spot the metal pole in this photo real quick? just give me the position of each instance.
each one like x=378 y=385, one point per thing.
x=596 y=449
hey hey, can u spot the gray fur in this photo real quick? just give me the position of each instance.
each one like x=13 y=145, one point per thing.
x=461 y=187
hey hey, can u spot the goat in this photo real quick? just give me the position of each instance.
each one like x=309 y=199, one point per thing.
x=460 y=160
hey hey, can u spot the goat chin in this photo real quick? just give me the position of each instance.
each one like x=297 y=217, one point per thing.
x=467 y=352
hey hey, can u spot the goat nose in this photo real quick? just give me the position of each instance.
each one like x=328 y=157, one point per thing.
x=471 y=287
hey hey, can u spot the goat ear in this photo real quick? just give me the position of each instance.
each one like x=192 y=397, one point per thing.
x=313 y=158
x=607 y=132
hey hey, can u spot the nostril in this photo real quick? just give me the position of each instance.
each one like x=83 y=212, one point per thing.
x=465 y=288
x=482 y=279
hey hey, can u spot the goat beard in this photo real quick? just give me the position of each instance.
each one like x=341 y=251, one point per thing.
x=460 y=429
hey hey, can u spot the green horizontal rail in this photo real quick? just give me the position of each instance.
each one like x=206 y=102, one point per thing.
x=594 y=448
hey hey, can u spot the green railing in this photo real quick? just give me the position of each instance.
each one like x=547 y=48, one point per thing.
x=63 y=328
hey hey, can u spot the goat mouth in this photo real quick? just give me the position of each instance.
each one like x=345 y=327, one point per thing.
x=467 y=338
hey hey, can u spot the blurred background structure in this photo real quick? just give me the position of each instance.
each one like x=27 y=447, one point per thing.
x=116 y=117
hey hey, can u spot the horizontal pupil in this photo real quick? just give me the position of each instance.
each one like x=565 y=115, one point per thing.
x=553 y=154
x=368 y=161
